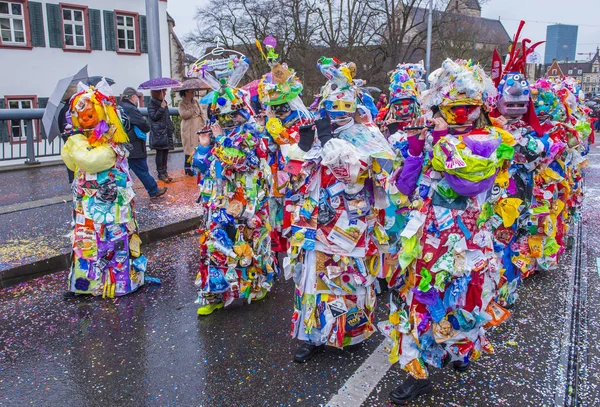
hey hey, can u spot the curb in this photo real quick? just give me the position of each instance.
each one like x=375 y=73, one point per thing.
x=26 y=272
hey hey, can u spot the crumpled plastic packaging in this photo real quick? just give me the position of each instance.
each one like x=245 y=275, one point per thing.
x=78 y=153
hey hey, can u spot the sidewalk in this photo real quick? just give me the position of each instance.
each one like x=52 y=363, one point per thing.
x=35 y=215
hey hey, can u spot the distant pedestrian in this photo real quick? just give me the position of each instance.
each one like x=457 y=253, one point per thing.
x=161 y=132
x=136 y=130
x=382 y=101
x=192 y=121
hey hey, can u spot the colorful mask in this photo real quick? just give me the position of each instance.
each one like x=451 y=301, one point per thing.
x=460 y=114
x=514 y=94
x=544 y=99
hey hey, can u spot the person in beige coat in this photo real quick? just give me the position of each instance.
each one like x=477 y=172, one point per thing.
x=192 y=120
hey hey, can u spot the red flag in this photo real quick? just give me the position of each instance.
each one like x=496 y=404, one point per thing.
x=496 y=68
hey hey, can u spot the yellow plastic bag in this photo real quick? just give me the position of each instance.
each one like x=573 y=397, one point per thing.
x=508 y=209
x=78 y=153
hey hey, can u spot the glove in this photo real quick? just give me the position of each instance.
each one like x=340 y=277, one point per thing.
x=393 y=128
x=324 y=130
x=307 y=137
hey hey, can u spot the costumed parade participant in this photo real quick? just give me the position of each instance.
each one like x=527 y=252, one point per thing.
x=279 y=90
x=447 y=271
x=512 y=193
x=107 y=257
x=337 y=235
x=234 y=177
x=406 y=84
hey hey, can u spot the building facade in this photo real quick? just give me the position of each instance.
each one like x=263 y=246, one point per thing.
x=561 y=43
x=44 y=41
x=587 y=73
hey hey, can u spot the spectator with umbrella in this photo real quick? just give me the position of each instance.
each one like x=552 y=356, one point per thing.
x=161 y=126
x=136 y=128
x=191 y=120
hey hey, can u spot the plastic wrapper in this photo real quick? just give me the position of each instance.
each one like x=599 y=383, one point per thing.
x=78 y=153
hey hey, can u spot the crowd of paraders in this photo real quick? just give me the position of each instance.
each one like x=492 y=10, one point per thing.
x=434 y=201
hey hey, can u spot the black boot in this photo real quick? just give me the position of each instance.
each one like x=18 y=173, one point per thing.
x=461 y=366
x=69 y=295
x=410 y=389
x=306 y=351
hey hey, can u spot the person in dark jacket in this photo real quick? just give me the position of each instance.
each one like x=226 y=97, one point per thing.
x=161 y=132
x=137 y=151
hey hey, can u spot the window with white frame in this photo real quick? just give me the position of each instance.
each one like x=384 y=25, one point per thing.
x=12 y=23
x=570 y=71
x=126 y=33
x=18 y=128
x=579 y=72
x=74 y=27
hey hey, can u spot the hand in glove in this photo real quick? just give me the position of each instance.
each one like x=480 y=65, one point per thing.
x=324 y=130
x=307 y=137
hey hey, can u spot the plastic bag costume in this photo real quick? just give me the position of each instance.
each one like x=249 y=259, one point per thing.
x=279 y=91
x=107 y=258
x=406 y=84
x=447 y=272
x=337 y=218
x=234 y=177
x=512 y=194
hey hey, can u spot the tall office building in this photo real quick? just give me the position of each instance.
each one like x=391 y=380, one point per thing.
x=561 y=43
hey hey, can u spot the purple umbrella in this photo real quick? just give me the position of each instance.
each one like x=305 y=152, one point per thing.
x=159 y=83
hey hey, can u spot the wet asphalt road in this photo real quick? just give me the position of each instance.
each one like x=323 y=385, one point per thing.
x=37 y=233
x=150 y=348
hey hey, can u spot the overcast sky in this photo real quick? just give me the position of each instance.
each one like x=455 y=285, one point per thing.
x=537 y=13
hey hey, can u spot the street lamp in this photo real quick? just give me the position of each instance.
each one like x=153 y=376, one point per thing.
x=429 y=29
x=153 y=29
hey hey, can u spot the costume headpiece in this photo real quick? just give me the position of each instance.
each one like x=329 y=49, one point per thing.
x=281 y=85
x=406 y=82
x=94 y=112
x=459 y=83
x=222 y=74
x=339 y=94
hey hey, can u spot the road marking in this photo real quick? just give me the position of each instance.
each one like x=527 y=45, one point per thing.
x=358 y=387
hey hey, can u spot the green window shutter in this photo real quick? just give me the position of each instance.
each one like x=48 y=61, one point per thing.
x=96 y=29
x=36 y=24
x=110 y=31
x=143 y=35
x=3 y=125
x=55 y=34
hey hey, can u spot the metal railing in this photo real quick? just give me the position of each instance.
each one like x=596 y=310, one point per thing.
x=34 y=144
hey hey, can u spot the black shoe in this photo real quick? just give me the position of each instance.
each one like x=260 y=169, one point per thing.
x=410 y=389
x=160 y=192
x=69 y=295
x=189 y=172
x=461 y=366
x=164 y=178
x=306 y=351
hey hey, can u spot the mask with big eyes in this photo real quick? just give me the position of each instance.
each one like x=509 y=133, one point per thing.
x=513 y=95
x=86 y=114
x=460 y=114
x=404 y=109
x=339 y=103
